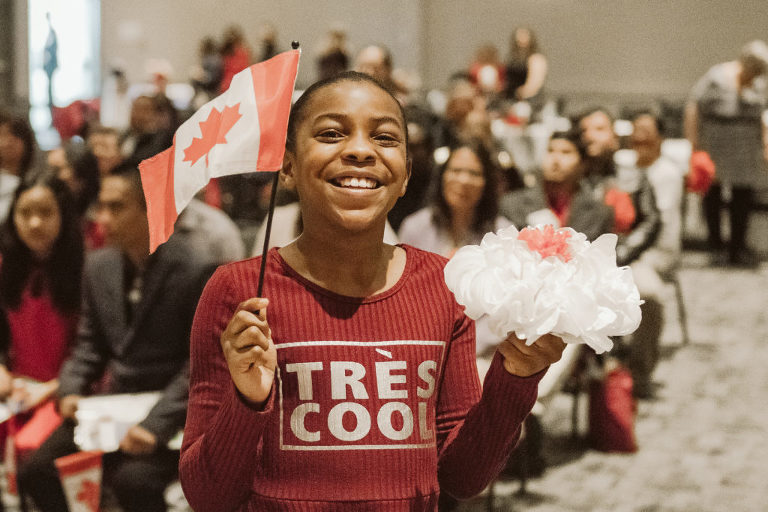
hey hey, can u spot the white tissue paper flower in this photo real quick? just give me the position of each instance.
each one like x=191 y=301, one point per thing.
x=545 y=280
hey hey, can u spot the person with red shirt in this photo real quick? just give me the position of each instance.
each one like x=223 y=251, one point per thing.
x=235 y=56
x=352 y=384
x=41 y=262
x=40 y=267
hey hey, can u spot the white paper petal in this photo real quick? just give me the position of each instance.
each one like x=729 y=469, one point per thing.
x=585 y=300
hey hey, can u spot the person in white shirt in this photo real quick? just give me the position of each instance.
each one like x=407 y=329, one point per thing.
x=666 y=178
x=644 y=161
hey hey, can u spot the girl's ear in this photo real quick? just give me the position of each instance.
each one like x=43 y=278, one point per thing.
x=286 y=173
x=408 y=169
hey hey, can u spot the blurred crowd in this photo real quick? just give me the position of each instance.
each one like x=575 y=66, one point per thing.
x=82 y=301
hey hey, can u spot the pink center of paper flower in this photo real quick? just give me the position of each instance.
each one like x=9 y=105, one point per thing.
x=547 y=241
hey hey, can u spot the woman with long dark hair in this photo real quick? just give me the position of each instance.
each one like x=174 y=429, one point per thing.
x=17 y=149
x=465 y=205
x=76 y=165
x=42 y=260
x=17 y=146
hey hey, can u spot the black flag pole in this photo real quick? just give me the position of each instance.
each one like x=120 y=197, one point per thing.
x=270 y=214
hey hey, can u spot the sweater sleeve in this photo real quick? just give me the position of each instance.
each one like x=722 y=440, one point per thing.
x=475 y=437
x=89 y=356
x=222 y=433
x=645 y=231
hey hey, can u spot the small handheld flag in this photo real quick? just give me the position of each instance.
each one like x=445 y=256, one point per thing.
x=242 y=130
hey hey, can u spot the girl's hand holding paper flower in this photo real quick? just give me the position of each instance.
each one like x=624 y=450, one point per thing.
x=524 y=360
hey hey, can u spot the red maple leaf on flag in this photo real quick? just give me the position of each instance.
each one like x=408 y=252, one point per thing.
x=89 y=494
x=214 y=131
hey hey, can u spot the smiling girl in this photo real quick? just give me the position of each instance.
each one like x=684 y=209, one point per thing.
x=360 y=392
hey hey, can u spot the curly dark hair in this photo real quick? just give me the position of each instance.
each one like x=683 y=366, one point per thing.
x=62 y=269
x=487 y=208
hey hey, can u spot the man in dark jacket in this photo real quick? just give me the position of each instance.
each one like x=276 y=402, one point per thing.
x=601 y=141
x=133 y=337
x=561 y=196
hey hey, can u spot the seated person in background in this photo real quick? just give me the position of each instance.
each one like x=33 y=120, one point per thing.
x=561 y=197
x=602 y=143
x=465 y=205
x=134 y=327
x=17 y=150
x=487 y=72
x=76 y=166
x=103 y=142
x=526 y=69
x=376 y=61
x=466 y=118
x=666 y=179
x=637 y=232
x=334 y=56
x=17 y=145
x=144 y=138
x=41 y=262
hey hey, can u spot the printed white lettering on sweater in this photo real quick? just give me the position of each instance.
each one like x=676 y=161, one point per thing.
x=329 y=402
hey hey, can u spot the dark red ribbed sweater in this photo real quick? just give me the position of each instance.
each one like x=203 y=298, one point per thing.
x=375 y=400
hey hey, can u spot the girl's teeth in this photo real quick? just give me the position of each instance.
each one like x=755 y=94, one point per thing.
x=357 y=183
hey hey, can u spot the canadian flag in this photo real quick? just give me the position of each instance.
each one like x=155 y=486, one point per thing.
x=80 y=475
x=242 y=130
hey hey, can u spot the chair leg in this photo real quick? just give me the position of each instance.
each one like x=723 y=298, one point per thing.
x=23 y=505
x=681 y=311
x=575 y=414
x=490 y=501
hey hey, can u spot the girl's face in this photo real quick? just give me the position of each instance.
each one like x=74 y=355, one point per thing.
x=463 y=180
x=562 y=163
x=349 y=164
x=37 y=219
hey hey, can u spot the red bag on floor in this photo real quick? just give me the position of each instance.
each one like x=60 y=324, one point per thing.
x=612 y=413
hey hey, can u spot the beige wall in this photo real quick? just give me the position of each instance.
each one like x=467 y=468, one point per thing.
x=21 y=70
x=646 y=47
x=655 y=47
x=171 y=29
